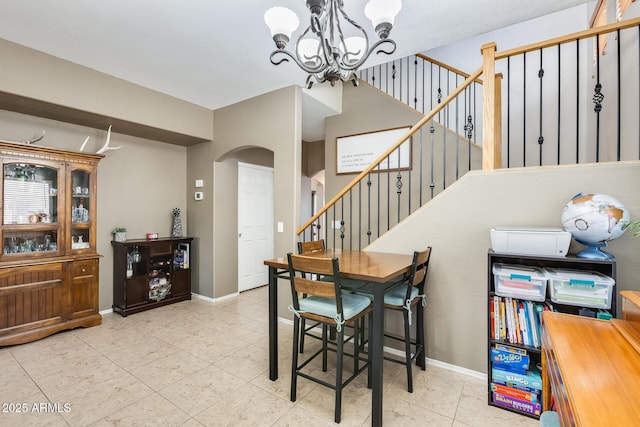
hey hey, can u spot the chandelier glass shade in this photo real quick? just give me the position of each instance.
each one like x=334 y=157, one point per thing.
x=333 y=46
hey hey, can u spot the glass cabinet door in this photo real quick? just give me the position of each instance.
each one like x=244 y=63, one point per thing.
x=30 y=208
x=81 y=209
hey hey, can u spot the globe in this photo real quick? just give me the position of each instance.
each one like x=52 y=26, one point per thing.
x=593 y=220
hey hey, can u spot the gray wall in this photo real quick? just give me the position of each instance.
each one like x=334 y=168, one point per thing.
x=457 y=225
x=138 y=185
x=269 y=126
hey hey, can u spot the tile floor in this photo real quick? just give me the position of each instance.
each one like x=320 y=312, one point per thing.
x=198 y=363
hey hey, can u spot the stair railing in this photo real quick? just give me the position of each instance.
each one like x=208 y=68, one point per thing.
x=366 y=207
x=422 y=83
x=568 y=100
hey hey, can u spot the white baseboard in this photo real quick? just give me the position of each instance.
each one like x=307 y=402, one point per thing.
x=433 y=362
x=209 y=299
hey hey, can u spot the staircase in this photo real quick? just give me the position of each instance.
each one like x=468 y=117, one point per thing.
x=551 y=103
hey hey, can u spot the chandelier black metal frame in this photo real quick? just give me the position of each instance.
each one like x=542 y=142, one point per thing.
x=323 y=50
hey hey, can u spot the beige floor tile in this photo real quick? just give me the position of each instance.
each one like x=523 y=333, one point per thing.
x=436 y=389
x=356 y=402
x=398 y=412
x=247 y=362
x=201 y=389
x=297 y=416
x=151 y=411
x=192 y=423
x=208 y=365
x=32 y=419
x=248 y=406
x=168 y=369
x=75 y=374
x=474 y=410
x=101 y=400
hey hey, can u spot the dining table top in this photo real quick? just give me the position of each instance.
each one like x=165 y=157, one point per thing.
x=362 y=265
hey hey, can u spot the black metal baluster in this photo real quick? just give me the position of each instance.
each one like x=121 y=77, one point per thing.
x=369 y=208
x=598 y=97
x=333 y=226
x=559 y=91
x=432 y=184
x=443 y=126
x=524 y=111
x=508 y=111
x=421 y=168
x=378 y=167
x=468 y=126
x=457 y=128
x=398 y=185
x=360 y=215
x=619 y=94
x=351 y=219
x=578 y=101
x=415 y=83
x=342 y=223
x=388 y=192
x=540 y=137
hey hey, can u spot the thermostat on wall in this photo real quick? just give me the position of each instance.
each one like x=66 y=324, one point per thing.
x=199 y=195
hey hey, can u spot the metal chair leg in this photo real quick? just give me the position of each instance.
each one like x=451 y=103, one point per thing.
x=294 y=359
x=407 y=349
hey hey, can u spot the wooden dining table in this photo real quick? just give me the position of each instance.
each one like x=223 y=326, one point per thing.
x=377 y=268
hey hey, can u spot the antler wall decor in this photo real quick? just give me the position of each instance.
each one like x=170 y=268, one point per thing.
x=26 y=141
x=105 y=147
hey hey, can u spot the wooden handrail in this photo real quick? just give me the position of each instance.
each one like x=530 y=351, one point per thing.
x=446 y=67
x=569 y=38
x=468 y=81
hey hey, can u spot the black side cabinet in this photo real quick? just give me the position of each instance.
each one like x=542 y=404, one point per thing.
x=150 y=273
x=513 y=396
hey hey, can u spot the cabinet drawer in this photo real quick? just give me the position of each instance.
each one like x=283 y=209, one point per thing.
x=84 y=268
x=160 y=248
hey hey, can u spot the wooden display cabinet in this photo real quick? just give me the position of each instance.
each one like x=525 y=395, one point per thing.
x=150 y=273
x=48 y=261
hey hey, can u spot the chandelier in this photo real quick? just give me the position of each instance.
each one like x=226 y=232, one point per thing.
x=333 y=46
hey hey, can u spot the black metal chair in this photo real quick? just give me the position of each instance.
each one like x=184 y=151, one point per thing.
x=409 y=294
x=332 y=307
x=305 y=248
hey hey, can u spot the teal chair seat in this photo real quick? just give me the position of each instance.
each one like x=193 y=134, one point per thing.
x=352 y=304
x=398 y=295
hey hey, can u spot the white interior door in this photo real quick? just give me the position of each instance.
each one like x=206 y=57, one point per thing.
x=255 y=224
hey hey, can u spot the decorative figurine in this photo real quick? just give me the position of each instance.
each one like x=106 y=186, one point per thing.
x=176 y=230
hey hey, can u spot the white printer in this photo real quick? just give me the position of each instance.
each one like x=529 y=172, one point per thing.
x=530 y=241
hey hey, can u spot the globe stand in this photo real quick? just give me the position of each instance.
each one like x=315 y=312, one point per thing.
x=593 y=251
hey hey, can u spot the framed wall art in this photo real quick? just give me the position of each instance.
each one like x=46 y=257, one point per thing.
x=356 y=152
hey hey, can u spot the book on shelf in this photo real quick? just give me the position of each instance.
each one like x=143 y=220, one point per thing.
x=517 y=404
x=510 y=358
x=516 y=321
x=516 y=393
x=531 y=379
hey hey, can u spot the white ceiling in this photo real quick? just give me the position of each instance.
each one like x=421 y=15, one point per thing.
x=215 y=53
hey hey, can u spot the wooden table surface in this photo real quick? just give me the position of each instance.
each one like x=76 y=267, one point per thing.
x=362 y=265
x=599 y=368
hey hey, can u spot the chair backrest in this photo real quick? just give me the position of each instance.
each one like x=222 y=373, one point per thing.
x=312 y=246
x=418 y=272
x=305 y=270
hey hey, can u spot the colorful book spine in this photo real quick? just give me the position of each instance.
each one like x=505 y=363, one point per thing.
x=527 y=396
x=505 y=358
x=517 y=404
x=530 y=379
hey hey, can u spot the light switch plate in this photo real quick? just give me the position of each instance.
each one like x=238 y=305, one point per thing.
x=199 y=195
x=199 y=183
x=280 y=227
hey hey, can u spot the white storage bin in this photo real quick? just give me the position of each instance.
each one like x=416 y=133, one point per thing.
x=581 y=288
x=520 y=281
